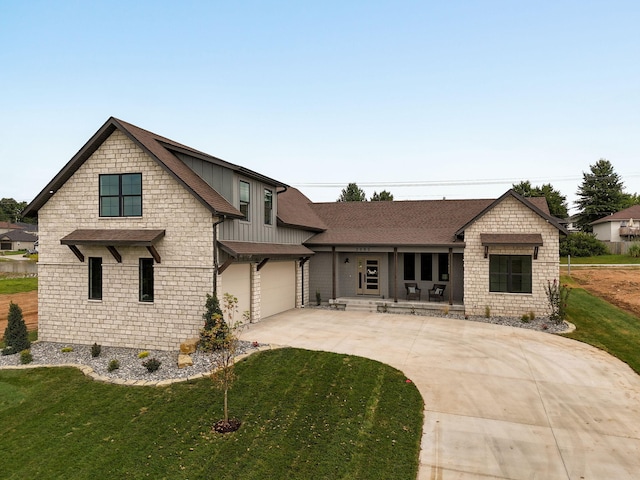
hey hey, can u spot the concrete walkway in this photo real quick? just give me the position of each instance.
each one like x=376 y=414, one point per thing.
x=500 y=402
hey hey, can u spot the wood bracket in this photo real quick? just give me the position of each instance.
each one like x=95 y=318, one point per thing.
x=154 y=253
x=76 y=252
x=115 y=253
x=225 y=265
x=262 y=263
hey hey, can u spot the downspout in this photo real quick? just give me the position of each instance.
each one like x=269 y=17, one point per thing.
x=215 y=253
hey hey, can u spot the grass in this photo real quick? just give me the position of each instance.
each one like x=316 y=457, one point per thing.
x=18 y=285
x=602 y=260
x=603 y=325
x=305 y=415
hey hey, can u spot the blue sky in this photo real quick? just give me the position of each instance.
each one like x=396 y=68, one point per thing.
x=428 y=99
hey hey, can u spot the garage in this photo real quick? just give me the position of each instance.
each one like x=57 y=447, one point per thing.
x=236 y=280
x=277 y=287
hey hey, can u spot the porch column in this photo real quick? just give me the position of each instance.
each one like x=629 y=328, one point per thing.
x=450 y=268
x=395 y=274
x=333 y=272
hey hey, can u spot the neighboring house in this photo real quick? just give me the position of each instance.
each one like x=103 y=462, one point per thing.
x=622 y=226
x=136 y=229
x=8 y=226
x=17 y=240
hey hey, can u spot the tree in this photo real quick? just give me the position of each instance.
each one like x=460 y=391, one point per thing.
x=383 y=196
x=352 y=193
x=16 y=337
x=557 y=202
x=600 y=194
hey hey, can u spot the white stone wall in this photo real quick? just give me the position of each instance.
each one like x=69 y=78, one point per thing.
x=510 y=216
x=182 y=280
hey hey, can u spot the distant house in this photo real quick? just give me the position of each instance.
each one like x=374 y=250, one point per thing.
x=622 y=226
x=17 y=240
x=136 y=229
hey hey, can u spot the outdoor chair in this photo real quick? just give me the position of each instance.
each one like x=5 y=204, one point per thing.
x=437 y=292
x=413 y=291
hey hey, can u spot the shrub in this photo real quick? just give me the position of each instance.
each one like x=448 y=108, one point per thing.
x=212 y=307
x=557 y=295
x=487 y=311
x=143 y=354
x=16 y=337
x=582 y=244
x=318 y=298
x=95 y=350
x=152 y=364
x=26 y=357
x=114 y=364
x=532 y=315
x=524 y=318
x=66 y=349
x=634 y=250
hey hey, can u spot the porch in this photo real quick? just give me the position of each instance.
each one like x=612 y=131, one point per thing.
x=387 y=305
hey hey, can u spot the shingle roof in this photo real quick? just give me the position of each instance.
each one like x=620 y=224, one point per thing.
x=18 y=236
x=113 y=237
x=10 y=226
x=532 y=239
x=295 y=210
x=159 y=148
x=255 y=249
x=626 y=214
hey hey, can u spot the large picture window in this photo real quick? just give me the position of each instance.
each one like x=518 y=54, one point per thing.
x=95 y=278
x=268 y=207
x=409 y=266
x=146 y=280
x=426 y=267
x=510 y=273
x=121 y=195
x=245 y=199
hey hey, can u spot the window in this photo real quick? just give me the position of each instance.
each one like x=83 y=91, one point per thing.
x=510 y=273
x=245 y=199
x=426 y=267
x=146 y=279
x=409 y=266
x=443 y=267
x=121 y=195
x=95 y=278
x=268 y=207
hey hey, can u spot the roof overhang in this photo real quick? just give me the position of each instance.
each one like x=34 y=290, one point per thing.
x=510 y=239
x=262 y=252
x=112 y=238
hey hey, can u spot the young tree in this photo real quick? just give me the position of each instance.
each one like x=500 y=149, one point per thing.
x=557 y=202
x=352 y=193
x=600 y=194
x=16 y=337
x=383 y=196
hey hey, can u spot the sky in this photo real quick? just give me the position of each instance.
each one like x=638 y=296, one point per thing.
x=425 y=99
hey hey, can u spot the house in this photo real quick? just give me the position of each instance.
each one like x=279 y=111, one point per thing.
x=17 y=240
x=622 y=226
x=136 y=229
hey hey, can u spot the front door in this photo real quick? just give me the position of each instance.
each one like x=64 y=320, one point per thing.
x=368 y=276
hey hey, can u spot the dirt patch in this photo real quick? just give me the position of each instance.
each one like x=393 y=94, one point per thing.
x=27 y=301
x=619 y=286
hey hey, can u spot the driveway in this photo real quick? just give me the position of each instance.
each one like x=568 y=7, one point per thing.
x=500 y=402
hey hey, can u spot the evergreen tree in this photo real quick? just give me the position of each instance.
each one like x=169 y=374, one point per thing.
x=352 y=193
x=600 y=194
x=557 y=202
x=16 y=337
x=383 y=196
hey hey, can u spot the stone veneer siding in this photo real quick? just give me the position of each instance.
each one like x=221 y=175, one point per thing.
x=181 y=280
x=509 y=216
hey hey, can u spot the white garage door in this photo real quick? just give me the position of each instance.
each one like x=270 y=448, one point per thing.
x=278 y=288
x=236 y=280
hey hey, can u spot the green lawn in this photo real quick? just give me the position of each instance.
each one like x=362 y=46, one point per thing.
x=602 y=260
x=603 y=325
x=305 y=415
x=18 y=285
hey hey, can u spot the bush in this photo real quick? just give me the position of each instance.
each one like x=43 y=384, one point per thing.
x=152 y=364
x=113 y=365
x=582 y=244
x=26 y=357
x=215 y=328
x=143 y=354
x=16 y=337
x=95 y=350
x=524 y=318
x=558 y=296
x=634 y=250
x=66 y=349
x=212 y=307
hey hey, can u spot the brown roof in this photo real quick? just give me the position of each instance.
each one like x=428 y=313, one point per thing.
x=533 y=239
x=397 y=223
x=18 y=236
x=10 y=226
x=158 y=148
x=144 y=238
x=295 y=210
x=253 y=249
x=626 y=214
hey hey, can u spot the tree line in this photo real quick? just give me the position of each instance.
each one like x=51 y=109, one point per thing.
x=11 y=211
x=601 y=193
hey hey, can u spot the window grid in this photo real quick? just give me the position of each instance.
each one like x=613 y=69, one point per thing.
x=120 y=195
x=510 y=273
x=245 y=199
x=268 y=207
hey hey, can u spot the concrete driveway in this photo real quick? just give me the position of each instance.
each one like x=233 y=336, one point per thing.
x=500 y=402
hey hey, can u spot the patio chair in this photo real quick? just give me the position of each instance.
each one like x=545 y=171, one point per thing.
x=437 y=292
x=413 y=291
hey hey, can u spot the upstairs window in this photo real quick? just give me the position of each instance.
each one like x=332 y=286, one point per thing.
x=245 y=199
x=121 y=195
x=268 y=207
x=510 y=273
x=95 y=278
x=146 y=280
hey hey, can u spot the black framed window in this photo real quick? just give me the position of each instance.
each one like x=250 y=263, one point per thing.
x=146 y=280
x=245 y=199
x=95 y=278
x=510 y=273
x=443 y=267
x=426 y=267
x=409 y=266
x=121 y=195
x=268 y=207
